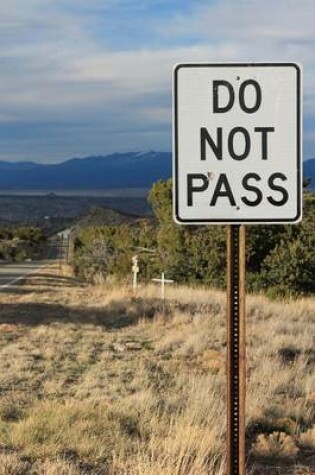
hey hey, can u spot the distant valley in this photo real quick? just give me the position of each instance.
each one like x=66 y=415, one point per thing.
x=52 y=213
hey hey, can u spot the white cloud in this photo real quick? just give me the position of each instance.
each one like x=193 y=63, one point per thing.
x=251 y=19
x=270 y=31
x=54 y=68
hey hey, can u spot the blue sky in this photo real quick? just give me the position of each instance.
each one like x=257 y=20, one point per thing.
x=84 y=77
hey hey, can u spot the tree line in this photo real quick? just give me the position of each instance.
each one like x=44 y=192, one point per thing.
x=280 y=258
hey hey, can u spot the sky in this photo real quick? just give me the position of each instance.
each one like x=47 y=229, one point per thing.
x=93 y=77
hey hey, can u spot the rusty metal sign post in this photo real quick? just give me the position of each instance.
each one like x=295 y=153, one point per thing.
x=237 y=160
x=236 y=350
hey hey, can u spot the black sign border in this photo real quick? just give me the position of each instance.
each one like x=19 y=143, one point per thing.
x=257 y=221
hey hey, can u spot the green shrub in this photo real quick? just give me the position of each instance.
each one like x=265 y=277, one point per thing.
x=280 y=260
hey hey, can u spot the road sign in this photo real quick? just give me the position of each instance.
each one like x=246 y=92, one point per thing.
x=237 y=143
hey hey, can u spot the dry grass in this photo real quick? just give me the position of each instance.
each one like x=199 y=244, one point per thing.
x=96 y=381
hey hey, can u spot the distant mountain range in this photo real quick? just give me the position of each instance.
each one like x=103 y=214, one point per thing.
x=119 y=170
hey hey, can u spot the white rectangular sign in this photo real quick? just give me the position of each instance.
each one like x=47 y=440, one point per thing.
x=237 y=143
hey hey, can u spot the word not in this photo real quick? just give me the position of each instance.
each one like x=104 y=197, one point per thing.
x=217 y=147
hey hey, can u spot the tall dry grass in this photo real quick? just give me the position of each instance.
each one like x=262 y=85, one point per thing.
x=95 y=380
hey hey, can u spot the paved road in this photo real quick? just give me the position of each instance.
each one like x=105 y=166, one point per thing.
x=11 y=274
x=55 y=250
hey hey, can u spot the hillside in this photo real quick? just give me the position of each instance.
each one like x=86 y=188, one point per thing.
x=95 y=381
x=120 y=170
x=101 y=215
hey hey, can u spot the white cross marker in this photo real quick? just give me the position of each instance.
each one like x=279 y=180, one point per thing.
x=163 y=282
